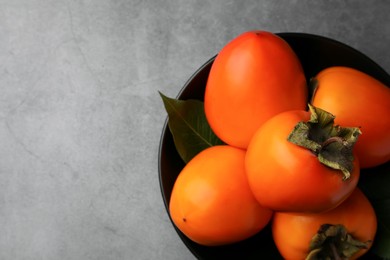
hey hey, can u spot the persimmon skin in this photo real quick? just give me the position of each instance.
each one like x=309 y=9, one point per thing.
x=357 y=99
x=292 y=232
x=211 y=202
x=254 y=77
x=286 y=177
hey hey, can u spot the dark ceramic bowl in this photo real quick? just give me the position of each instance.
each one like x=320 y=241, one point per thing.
x=315 y=53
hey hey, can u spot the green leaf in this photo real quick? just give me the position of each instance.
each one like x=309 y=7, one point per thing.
x=189 y=127
x=375 y=183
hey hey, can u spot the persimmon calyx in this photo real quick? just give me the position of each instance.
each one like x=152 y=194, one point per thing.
x=332 y=143
x=334 y=242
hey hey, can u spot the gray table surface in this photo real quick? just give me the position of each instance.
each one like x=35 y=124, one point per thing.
x=81 y=118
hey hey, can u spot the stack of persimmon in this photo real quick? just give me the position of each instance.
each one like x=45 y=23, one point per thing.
x=289 y=159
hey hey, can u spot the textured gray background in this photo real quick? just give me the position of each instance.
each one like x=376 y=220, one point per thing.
x=80 y=115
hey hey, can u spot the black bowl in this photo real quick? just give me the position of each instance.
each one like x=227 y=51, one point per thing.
x=315 y=53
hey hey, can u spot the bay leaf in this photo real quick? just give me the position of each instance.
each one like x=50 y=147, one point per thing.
x=189 y=127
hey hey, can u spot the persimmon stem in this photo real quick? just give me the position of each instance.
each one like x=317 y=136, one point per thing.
x=330 y=140
x=334 y=252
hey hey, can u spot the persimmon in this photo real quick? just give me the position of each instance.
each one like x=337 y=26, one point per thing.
x=211 y=202
x=346 y=232
x=298 y=161
x=254 y=77
x=357 y=99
